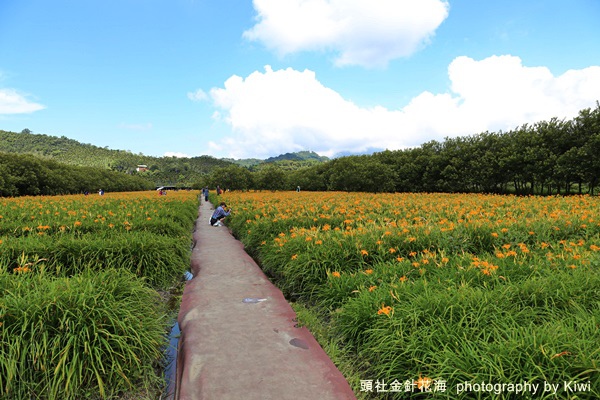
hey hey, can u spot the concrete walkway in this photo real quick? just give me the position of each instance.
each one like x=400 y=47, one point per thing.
x=235 y=350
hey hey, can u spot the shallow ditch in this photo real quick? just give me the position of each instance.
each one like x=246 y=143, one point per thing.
x=170 y=351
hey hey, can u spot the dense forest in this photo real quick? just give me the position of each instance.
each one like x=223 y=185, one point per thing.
x=37 y=157
x=548 y=157
x=22 y=175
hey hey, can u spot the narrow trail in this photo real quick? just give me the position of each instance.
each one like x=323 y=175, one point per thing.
x=235 y=350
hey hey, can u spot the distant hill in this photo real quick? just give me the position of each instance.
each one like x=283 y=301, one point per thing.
x=244 y=162
x=288 y=161
x=159 y=170
x=298 y=156
x=368 y=151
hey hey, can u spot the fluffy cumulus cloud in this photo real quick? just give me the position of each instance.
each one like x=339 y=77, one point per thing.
x=274 y=112
x=500 y=93
x=12 y=102
x=360 y=32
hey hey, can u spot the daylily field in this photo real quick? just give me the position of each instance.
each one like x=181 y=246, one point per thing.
x=82 y=283
x=430 y=293
x=413 y=295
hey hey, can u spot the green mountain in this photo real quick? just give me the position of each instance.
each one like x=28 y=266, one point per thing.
x=244 y=162
x=161 y=171
x=158 y=170
x=288 y=161
x=298 y=156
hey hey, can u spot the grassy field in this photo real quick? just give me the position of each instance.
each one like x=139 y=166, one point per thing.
x=83 y=282
x=413 y=295
x=439 y=295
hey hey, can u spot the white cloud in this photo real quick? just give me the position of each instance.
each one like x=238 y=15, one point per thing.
x=274 y=112
x=500 y=93
x=12 y=102
x=176 y=154
x=198 y=95
x=360 y=32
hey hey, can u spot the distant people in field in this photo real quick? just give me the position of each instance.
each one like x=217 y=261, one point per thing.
x=219 y=190
x=101 y=192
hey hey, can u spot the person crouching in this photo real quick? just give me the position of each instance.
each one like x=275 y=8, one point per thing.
x=219 y=215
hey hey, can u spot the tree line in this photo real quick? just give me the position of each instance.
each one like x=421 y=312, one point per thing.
x=548 y=157
x=27 y=175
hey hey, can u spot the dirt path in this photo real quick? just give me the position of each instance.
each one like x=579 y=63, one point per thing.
x=233 y=350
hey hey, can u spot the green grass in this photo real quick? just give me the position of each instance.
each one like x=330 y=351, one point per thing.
x=67 y=338
x=546 y=330
x=474 y=303
x=87 y=291
x=346 y=361
x=160 y=260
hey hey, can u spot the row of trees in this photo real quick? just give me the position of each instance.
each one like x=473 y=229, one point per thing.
x=26 y=175
x=549 y=157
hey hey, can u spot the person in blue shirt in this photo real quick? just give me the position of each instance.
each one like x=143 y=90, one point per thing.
x=219 y=215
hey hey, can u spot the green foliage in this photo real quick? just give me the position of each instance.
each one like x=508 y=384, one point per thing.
x=98 y=333
x=160 y=260
x=162 y=171
x=287 y=161
x=271 y=178
x=309 y=156
x=80 y=312
x=231 y=177
x=548 y=157
x=541 y=329
x=24 y=175
x=312 y=178
x=459 y=288
x=361 y=174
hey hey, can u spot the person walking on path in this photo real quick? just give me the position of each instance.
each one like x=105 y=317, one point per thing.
x=205 y=193
x=219 y=215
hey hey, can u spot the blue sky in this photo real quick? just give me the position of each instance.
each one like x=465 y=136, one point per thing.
x=260 y=78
